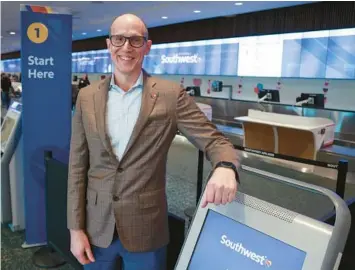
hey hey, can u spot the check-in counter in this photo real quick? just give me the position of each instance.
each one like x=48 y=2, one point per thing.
x=287 y=134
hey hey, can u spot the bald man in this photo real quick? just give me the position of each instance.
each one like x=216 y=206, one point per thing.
x=121 y=134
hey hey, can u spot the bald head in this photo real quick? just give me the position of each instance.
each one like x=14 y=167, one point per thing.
x=129 y=20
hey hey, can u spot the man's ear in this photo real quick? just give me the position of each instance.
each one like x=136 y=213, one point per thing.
x=149 y=45
x=108 y=43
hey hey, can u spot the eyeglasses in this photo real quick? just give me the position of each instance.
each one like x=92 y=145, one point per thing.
x=134 y=41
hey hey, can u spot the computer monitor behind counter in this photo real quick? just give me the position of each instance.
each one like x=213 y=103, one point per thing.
x=269 y=95
x=251 y=234
x=311 y=100
x=193 y=91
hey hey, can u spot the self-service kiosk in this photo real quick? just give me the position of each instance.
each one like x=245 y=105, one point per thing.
x=252 y=234
x=12 y=204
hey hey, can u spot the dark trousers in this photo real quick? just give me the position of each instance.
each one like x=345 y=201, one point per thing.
x=5 y=99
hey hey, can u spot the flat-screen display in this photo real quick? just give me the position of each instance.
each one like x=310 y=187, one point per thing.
x=11 y=66
x=225 y=244
x=91 y=62
x=326 y=54
x=213 y=57
x=320 y=54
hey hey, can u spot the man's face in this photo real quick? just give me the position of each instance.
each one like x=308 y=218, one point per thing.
x=126 y=55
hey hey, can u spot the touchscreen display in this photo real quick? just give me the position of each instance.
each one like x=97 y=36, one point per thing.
x=225 y=244
x=16 y=106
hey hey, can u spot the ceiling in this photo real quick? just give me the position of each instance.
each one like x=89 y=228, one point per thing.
x=93 y=18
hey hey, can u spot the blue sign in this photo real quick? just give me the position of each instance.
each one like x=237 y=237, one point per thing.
x=240 y=247
x=46 y=44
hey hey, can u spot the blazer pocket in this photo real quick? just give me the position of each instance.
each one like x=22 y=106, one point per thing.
x=152 y=198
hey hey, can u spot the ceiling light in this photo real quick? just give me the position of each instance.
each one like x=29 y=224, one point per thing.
x=197 y=11
x=12 y=33
x=83 y=33
x=238 y=4
x=98 y=30
x=164 y=17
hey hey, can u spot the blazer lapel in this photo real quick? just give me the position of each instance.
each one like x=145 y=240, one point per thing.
x=100 y=102
x=149 y=98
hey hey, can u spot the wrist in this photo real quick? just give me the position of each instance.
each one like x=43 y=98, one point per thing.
x=230 y=166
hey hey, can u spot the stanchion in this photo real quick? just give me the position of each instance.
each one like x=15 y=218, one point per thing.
x=199 y=176
x=47 y=257
x=341 y=178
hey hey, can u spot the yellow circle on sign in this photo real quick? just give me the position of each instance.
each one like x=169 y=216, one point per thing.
x=37 y=32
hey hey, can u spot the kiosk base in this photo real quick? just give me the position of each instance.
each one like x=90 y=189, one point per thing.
x=47 y=257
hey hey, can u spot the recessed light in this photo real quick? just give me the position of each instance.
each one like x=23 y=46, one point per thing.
x=164 y=17
x=83 y=33
x=98 y=30
x=238 y=4
x=197 y=11
x=12 y=33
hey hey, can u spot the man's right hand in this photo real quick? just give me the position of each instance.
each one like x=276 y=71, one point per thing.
x=80 y=247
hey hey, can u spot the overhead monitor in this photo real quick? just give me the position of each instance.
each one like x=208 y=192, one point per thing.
x=316 y=54
x=217 y=57
x=251 y=234
x=269 y=95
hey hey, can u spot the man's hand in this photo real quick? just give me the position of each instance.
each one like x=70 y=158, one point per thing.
x=80 y=247
x=221 y=188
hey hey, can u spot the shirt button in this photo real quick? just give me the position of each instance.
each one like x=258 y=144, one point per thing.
x=115 y=198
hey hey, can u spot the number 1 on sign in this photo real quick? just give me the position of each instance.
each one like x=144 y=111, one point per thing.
x=37 y=32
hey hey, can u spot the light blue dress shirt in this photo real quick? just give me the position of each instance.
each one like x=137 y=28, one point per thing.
x=122 y=113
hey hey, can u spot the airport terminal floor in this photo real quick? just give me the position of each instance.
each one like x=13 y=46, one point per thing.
x=181 y=183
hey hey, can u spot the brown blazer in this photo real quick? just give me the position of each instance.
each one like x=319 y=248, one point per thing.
x=130 y=193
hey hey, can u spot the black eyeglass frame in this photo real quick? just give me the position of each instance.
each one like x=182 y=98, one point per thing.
x=129 y=40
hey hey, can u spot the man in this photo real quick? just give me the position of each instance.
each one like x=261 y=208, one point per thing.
x=122 y=130
x=6 y=88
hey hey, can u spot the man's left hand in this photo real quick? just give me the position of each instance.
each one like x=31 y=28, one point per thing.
x=221 y=188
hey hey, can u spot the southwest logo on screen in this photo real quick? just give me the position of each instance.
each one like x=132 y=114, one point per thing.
x=238 y=247
x=178 y=58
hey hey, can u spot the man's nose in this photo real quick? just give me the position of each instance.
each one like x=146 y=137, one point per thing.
x=127 y=45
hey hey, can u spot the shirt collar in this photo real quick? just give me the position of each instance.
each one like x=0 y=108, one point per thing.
x=139 y=83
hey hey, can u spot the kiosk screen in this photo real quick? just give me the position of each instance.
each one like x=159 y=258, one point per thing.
x=225 y=244
x=16 y=106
